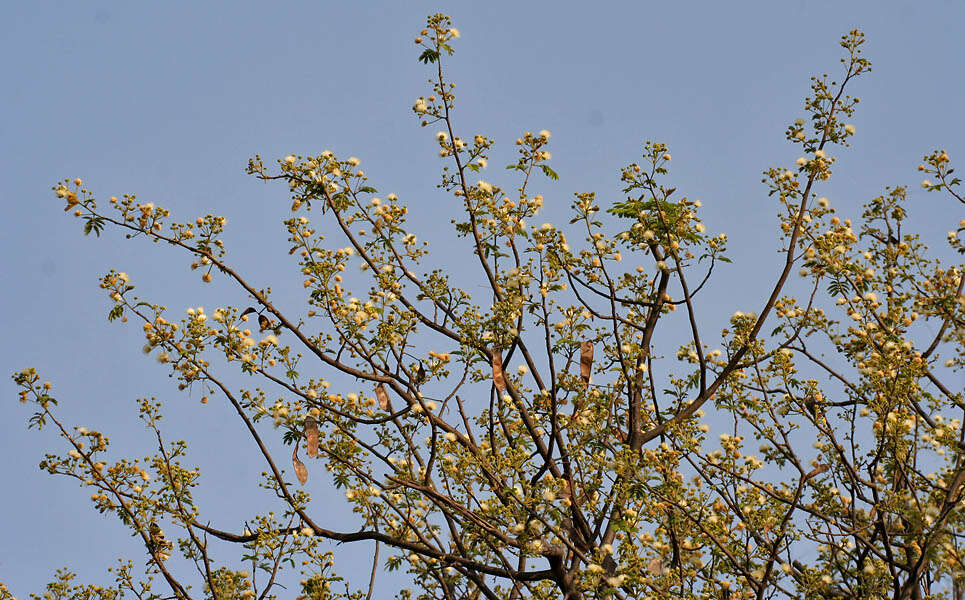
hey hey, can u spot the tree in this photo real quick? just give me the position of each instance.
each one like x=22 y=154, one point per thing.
x=536 y=443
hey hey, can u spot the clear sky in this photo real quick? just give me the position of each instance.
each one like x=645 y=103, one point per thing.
x=169 y=99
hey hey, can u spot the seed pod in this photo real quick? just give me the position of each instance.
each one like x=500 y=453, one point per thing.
x=383 y=397
x=498 y=377
x=300 y=470
x=311 y=436
x=655 y=566
x=586 y=361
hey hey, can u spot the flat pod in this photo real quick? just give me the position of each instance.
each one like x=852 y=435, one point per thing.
x=301 y=471
x=311 y=436
x=498 y=377
x=383 y=397
x=586 y=361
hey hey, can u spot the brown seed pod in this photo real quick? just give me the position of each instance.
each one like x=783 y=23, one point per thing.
x=586 y=361
x=301 y=471
x=311 y=436
x=498 y=377
x=383 y=397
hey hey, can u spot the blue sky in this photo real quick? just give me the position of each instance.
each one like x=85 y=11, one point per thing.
x=168 y=101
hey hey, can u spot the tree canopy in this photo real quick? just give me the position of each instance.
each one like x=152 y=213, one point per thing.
x=530 y=440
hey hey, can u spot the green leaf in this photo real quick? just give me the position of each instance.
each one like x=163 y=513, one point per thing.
x=549 y=172
x=291 y=436
x=623 y=209
x=429 y=56
x=94 y=224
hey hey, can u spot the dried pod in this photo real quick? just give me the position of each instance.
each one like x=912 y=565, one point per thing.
x=301 y=471
x=311 y=436
x=498 y=377
x=655 y=566
x=383 y=397
x=263 y=322
x=586 y=361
